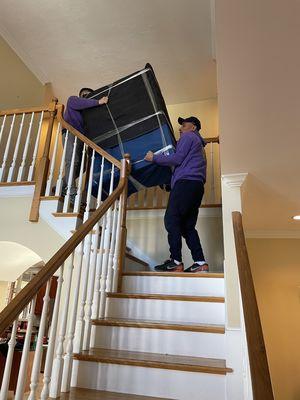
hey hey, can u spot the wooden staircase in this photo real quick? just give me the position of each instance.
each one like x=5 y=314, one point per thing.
x=163 y=357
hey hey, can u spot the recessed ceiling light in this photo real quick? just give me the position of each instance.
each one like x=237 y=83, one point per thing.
x=296 y=217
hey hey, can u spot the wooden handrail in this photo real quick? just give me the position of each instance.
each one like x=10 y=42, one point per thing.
x=15 y=307
x=84 y=139
x=260 y=374
x=27 y=110
x=215 y=139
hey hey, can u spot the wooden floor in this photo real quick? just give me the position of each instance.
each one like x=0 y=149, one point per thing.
x=154 y=360
x=87 y=394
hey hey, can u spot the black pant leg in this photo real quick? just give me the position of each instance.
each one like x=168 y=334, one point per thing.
x=189 y=221
x=172 y=222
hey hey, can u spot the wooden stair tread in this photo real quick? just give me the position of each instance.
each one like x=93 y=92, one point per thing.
x=164 y=325
x=89 y=394
x=208 y=299
x=22 y=183
x=154 y=360
x=175 y=274
x=67 y=214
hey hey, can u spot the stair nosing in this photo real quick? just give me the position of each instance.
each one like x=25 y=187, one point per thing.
x=170 y=297
x=177 y=366
x=175 y=274
x=162 y=325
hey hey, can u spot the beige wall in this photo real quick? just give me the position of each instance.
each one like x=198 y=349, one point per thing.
x=258 y=65
x=15 y=227
x=275 y=265
x=3 y=294
x=18 y=86
x=205 y=110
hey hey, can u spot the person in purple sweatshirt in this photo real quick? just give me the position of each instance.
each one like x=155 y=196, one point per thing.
x=72 y=115
x=187 y=188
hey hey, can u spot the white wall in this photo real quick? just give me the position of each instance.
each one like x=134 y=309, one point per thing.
x=146 y=232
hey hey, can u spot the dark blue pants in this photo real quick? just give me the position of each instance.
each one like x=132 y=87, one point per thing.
x=181 y=218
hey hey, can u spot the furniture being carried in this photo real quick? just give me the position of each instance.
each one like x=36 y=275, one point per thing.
x=134 y=120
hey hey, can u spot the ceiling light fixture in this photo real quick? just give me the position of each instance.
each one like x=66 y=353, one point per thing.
x=296 y=217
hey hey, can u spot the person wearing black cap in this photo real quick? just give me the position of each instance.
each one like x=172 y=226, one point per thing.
x=187 y=189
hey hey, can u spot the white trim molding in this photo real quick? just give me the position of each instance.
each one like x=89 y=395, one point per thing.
x=17 y=191
x=234 y=180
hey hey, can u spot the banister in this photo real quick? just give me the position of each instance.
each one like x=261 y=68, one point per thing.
x=15 y=307
x=27 y=110
x=260 y=374
x=215 y=139
x=84 y=139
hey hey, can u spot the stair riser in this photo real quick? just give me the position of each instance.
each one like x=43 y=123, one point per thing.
x=174 y=285
x=167 y=310
x=180 y=385
x=197 y=344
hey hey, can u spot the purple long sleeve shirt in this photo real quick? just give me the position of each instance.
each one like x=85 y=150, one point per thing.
x=189 y=159
x=72 y=114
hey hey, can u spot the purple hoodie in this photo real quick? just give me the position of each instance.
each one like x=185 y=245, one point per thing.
x=72 y=114
x=189 y=159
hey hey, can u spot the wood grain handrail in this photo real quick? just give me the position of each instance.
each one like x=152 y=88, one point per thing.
x=27 y=110
x=16 y=306
x=260 y=374
x=84 y=139
x=215 y=139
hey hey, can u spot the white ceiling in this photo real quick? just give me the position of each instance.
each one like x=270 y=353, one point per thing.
x=75 y=43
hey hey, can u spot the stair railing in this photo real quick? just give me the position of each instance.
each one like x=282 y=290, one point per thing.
x=21 y=133
x=88 y=265
x=259 y=368
x=155 y=198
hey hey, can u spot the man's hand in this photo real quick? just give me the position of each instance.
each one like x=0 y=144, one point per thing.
x=149 y=156
x=103 y=100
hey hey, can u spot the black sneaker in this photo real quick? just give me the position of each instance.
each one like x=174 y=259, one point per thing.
x=197 y=268
x=169 y=266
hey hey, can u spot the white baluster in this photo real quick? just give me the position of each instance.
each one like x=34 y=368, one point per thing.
x=61 y=168
x=8 y=363
x=16 y=151
x=56 y=376
x=117 y=249
x=80 y=316
x=96 y=298
x=25 y=151
x=70 y=178
x=2 y=127
x=4 y=162
x=78 y=197
x=100 y=225
x=212 y=171
x=106 y=245
x=52 y=337
x=109 y=279
x=36 y=367
x=68 y=358
x=25 y=353
x=35 y=151
x=89 y=191
x=90 y=289
x=52 y=165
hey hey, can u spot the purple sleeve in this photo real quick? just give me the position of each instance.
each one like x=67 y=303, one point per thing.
x=182 y=149
x=81 y=103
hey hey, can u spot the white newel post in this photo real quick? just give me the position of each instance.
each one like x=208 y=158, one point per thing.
x=235 y=350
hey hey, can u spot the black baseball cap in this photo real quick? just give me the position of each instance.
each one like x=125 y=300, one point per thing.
x=193 y=120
